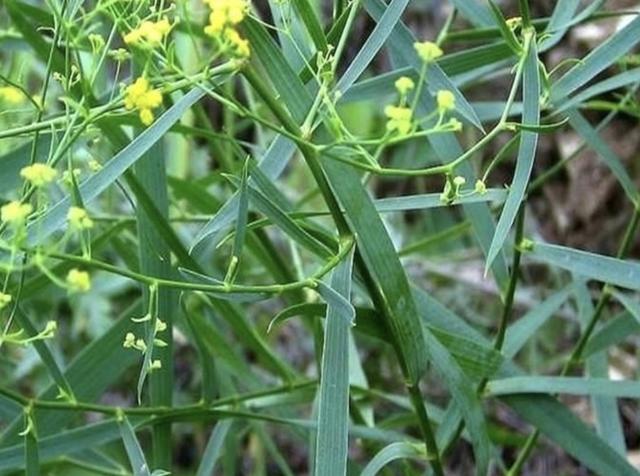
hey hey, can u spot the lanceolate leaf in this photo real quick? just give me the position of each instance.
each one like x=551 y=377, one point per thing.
x=610 y=270
x=526 y=152
x=381 y=32
x=596 y=61
x=332 y=440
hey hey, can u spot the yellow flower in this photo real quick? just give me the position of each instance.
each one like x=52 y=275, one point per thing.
x=224 y=16
x=5 y=300
x=239 y=44
x=428 y=51
x=404 y=84
x=149 y=32
x=399 y=119
x=155 y=365
x=15 y=212
x=78 y=281
x=140 y=96
x=11 y=95
x=216 y=24
x=446 y=100
x=79 y=219
x=39 y=174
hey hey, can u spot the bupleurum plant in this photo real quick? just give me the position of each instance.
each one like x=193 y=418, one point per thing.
x=300 y=237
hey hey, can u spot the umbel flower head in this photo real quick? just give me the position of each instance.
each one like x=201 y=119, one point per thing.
x=224 y=17
x=148 y=32
x=446 y=101
x=79 y=218
x=427 y=51
x=78 y=281
x=399 y=119
x=38 y=174
x=404 y=84
x=15 y=212
x=142 y=97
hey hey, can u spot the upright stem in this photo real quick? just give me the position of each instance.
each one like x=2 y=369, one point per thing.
x=310 y=153
x=425 y=426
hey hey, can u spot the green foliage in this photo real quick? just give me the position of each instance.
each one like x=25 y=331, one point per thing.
x=247 y=228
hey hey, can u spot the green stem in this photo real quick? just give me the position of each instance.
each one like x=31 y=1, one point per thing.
x=433 y=454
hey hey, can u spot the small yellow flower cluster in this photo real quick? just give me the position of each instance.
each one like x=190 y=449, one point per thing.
x=11 y=95
x=38 y=174
x=446 y=101
x=79 y=218
x=15 y=212
x=140 y=96
x=224 y=17
x=427 y=51
x=403 y=85
x=399 y=119
x=78 y=281
x=5 y=300
x=148 y=33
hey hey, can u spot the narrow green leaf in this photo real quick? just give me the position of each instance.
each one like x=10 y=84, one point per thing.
x=475 y=12
x=213 y=450
x=623 y=273
x=614 y=82
x=506 y=32
x=384 y=27
x=525 y=327
x=526 y=152
x=312 y=23
x=569 y=385
x=132 y=446
x=614 y=331
x=605 y=408
x=564 y=428
x=558 y=24
x=390 y=453
x=596 y=61
x=609 y=157
x=630 y=304
x=272 y=164
x=332 y=440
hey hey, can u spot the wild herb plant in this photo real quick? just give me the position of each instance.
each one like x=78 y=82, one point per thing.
x=197 y=252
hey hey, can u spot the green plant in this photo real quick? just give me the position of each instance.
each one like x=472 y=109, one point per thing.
x=211 y=184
